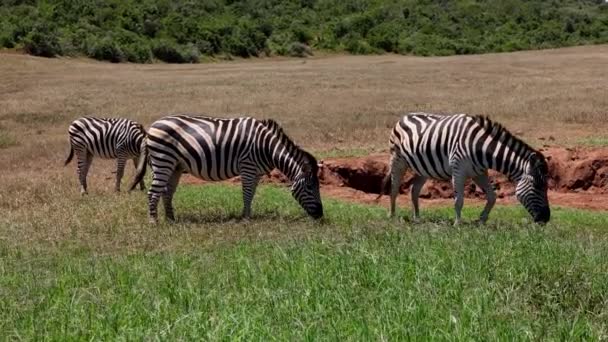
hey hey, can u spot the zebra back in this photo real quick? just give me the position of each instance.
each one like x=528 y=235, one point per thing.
x=107 y=137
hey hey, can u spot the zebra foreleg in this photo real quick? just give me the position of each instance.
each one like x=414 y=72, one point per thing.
x=168 y=194
x=483 y=181
x=141 y=183
x=84 y=163
x=417 y=184
x=249 y=182
x=120 y=171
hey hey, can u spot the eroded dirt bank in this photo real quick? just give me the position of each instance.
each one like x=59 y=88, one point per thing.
x=578 y=177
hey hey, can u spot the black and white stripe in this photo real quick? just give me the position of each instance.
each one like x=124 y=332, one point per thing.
x=113 y=138
x=460 y=146
x=216 y=149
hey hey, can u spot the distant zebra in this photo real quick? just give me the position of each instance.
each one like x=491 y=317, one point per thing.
x=216 y=149
x=114 y=138
x=460 y=146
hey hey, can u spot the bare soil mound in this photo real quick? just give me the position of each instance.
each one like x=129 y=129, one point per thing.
x=570 y=170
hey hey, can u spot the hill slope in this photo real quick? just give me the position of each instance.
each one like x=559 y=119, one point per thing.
x=185 y=30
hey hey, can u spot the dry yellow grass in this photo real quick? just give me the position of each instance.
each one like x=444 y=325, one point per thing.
x=324 y=103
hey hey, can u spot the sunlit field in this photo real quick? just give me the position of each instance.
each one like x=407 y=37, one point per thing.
x=92 y=268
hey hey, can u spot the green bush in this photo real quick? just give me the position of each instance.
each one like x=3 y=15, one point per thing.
x=107 y=50
x=6 y=35
x=298 y=49
x=180 y=31
x=138 y=52
x=358 y=46
x=42 y=43
x=385 y=36
x=170 y=52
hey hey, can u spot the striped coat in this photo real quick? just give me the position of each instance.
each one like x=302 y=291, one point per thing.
x=113 y=138
x=458 y=147
x=216 y=149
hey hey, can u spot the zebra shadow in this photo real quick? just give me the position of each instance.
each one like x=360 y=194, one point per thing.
x=445 y=222
x=236 y=218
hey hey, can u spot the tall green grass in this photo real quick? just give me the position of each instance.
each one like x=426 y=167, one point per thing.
x=282 y=276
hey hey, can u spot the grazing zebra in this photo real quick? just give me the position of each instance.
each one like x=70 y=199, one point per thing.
x=216 y=149
x=114 y=138
x=461 y=146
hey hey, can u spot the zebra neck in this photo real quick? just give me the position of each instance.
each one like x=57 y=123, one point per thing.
x=287 y=162
x=510 y=160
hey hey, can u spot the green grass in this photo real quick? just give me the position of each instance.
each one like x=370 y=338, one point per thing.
x=282 y=276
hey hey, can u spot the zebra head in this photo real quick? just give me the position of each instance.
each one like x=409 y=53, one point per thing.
x=305 y=187
x=531 y=189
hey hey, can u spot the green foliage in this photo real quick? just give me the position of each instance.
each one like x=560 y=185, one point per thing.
x=298 y=49
x=42 y=41
x=107 y=49
x=169 y=52
x=181 y=31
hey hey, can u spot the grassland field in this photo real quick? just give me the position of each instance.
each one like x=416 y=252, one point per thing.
x=91 y=268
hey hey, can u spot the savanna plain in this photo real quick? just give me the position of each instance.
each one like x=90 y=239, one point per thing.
x=91 y=268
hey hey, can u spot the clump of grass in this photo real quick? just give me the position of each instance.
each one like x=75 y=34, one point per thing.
x=7 y=140
x=344 y=152
x=597 y=141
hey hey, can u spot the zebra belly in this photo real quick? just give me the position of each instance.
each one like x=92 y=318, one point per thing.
x=206 y=176
x=424 y=164
x=444 y=173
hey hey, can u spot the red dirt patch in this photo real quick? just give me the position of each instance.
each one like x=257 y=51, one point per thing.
x=577 y=178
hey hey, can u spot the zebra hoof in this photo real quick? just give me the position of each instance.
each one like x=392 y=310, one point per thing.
x=481 y=221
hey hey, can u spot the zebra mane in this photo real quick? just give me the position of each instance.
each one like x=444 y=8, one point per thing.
x=274 y=127
x=499 y=131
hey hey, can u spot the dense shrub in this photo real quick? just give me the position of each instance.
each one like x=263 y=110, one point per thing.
x=298 y=49
x=42 y=42
x=180 y=31
x=358 y=46
x=108 y=50
x=170 y=52
x=139 y=52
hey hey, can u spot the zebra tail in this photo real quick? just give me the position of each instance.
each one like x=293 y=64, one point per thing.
x=386 y=185
x=67 y=161
x=141 y=168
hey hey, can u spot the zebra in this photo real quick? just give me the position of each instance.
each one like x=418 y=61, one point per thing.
x=109 y=138
x=215 y=149
x=460 y=146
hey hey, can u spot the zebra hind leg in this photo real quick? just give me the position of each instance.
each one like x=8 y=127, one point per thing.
x=417 y=185
x=160 y=178
x=249 y=181
x=168 y=194
x=120 y=171
x=483 y=181
x=84 y=163
x=458 y=181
